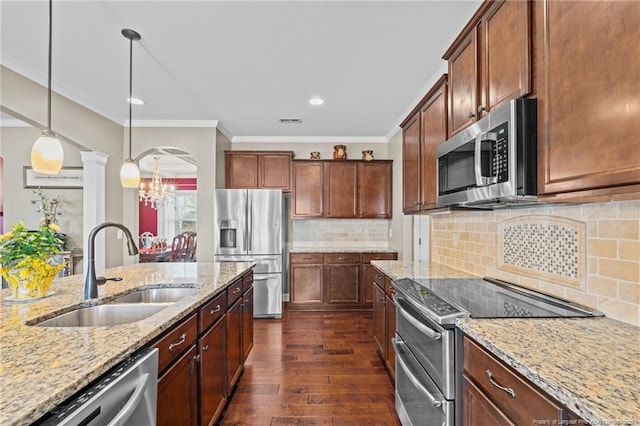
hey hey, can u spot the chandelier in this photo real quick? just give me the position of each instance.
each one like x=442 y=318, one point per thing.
x=157 y=194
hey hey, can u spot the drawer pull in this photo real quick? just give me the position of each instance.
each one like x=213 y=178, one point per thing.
x=217 y=309
x=236 y=291
x=205 y=348
x=178 y=342
x=496 y=384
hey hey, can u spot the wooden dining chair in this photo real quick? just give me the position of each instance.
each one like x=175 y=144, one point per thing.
x=177 y=248
x=190 y=247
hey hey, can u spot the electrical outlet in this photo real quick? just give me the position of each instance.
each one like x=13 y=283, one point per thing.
x=119 y=234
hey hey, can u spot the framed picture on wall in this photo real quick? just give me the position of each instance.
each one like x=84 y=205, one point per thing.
x=67 y=178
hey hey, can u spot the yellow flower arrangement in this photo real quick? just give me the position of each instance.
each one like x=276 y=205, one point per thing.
x=26 y=259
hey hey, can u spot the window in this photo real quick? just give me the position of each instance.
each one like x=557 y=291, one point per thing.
x=179 y=216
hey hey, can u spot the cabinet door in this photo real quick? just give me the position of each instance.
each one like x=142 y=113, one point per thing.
x=507 y=53
x=241 y=171
x=390 y=317
x=433 y=116
x=306 y=284
x=379 y=320
x=340 y=189
x=307 y=194
x=374 y=190
x=342 y=283
x=478 y=410
x=463 y=83
x=275 y=171
x=247 y=323
x=588 y=90
x=411 y=165
x=178 y=392
x=367 y=284
x=212 y=373
x=234 y=344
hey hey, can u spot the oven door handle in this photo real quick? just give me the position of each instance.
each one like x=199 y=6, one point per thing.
x=435 y=402
x=432 y=334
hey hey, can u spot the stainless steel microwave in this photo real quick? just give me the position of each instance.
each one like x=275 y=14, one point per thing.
x=492 y=163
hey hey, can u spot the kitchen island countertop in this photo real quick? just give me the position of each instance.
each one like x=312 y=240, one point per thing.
x=591 y=365
x=40 y=367
x=337 y=249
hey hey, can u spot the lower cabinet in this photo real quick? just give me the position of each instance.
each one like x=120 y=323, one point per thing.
x=202 y=357
x=494 y=394
x=384 y=319
x=332 y=281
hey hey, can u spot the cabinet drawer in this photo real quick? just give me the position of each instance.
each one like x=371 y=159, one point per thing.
x=368 y=257
x=388 y=286
x=307 y=258
x=234 y=291
x=527 y=404
x=343 y=258
x=176 y=341
x=378 y=278
x=247 y=282
x=213 y=310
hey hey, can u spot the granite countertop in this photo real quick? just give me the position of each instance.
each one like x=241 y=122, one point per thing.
x=341 y=250
x=40 y=367
x=591 y=365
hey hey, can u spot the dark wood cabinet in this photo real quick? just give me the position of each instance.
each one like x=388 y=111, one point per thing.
x=346 y=189
x=247 y=323
x=234 y=344
x=333 y=281
x=390 y=318
x=478 y=410
x=374 y=190
x=384 y=319
x=307 y=199
x=587 y=62
x=423 y=131
x=178 y=392
x=341 y=189
x=258 y=169
x=213 y=395
x=379 y=320
x=490 y=62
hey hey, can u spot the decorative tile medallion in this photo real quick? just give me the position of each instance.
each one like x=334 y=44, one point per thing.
x=545 y=247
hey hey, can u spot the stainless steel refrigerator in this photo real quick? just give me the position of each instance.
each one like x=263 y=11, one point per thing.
x=249 y=227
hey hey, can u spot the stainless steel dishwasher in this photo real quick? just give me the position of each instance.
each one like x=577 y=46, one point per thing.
x=126 y=395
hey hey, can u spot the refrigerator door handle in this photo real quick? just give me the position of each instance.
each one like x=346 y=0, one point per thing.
x=250 y=222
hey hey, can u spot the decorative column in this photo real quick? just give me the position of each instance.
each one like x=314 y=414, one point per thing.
x=93 y=204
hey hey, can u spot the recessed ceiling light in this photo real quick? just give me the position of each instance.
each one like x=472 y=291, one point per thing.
x=316 y=101
x=135 y=101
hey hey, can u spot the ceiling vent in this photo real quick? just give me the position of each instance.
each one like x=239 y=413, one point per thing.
x=291 y=120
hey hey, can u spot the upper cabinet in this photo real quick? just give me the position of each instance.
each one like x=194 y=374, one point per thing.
x=346 y=189
x=490 y=62
x=423 y=131
x=258 y=169
x=588 y=100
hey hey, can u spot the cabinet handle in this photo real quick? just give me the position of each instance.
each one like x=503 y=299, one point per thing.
x=217 y=309
x=178 y=342
x=340 y=258
x=205 y=348
x=236 y=291
x=307 y=258
x=417 y=203
x=481 y=108
x=196 y=358
x=471 y=115
x=496 y=384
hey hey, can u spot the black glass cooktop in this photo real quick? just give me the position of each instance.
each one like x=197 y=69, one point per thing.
x=447 y=299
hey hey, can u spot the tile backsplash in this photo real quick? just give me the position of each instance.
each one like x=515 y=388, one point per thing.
x=347 y=233
x=588 y=253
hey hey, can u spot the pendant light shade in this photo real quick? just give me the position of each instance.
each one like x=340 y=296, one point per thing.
x=46 y=152
x=129 y=173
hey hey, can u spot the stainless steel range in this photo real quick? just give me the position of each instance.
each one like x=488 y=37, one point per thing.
x=429 y=349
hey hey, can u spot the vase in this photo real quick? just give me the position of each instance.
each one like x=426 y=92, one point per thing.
x=31 y=277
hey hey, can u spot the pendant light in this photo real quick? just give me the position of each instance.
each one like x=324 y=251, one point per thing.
x=129 y=173
x=46 y=151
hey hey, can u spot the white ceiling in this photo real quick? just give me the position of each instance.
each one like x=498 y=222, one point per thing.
x=245 y=64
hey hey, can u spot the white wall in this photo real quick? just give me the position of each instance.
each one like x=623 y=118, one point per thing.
x=401 y=225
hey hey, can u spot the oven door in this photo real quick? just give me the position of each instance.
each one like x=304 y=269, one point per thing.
x=418 y=399
x=432 y=345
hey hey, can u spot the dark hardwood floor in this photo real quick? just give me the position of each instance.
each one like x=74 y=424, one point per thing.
x=313 y=368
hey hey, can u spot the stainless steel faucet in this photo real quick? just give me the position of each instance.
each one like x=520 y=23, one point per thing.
x=91 y=281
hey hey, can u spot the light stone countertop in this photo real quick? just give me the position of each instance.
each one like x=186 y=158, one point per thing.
x=591 y=365
x=363 y=249
x=40 y=367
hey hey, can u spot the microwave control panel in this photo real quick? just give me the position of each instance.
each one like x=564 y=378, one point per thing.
x=500 y=160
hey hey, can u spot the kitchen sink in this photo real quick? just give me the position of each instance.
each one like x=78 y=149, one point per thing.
x=104 y=315
x=156 y=295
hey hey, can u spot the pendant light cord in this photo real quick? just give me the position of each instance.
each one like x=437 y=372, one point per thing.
x=130 y=89
x=49 y=73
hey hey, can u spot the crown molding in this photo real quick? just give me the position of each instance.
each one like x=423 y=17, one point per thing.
x=225 y=131
x=173 y=123
x=443 y=69
x=309 y=139
x=13 y=122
